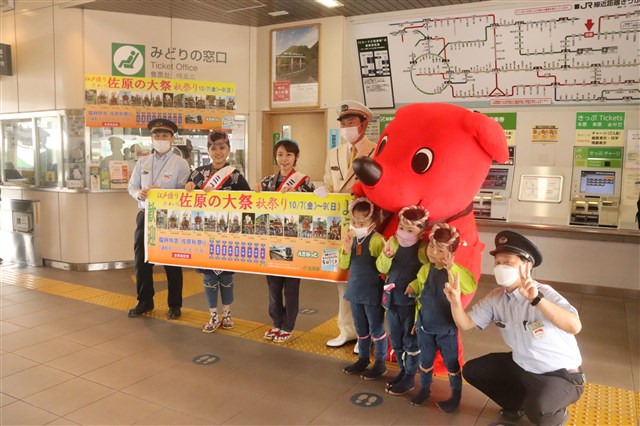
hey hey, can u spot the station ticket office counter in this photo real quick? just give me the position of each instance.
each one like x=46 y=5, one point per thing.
x=79 y=176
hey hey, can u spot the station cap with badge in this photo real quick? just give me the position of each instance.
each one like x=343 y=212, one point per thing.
x=345 y=108
x=116 y=139
x=162 y=124
x=512 y=242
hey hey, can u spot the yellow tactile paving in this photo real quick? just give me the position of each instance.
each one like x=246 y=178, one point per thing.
x=600 y=405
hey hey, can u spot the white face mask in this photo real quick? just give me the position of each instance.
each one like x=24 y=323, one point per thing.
x=360 y=233
x=161 y=146
x=406 y=239
x=350 y=134
x=506 y=275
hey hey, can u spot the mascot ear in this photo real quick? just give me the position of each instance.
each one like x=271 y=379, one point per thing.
x=489 y=135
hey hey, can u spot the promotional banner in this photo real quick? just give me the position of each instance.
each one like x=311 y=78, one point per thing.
x=291 y=234
x=113 y=101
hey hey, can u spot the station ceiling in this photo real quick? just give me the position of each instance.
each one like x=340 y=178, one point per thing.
x=255 y=13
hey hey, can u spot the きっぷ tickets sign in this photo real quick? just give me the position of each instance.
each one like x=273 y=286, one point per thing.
x=290 y=234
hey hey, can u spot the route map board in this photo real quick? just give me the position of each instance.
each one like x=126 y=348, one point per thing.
x=575 y=52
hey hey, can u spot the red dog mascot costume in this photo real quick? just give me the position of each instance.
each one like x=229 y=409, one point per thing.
x=436 y=156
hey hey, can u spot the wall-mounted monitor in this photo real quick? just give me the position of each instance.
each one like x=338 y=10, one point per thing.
x=496 y=179
x=597 y=182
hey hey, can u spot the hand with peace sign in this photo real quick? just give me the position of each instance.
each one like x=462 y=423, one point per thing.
x=452 y=289
x=388 y=249
x=447 y=260
x=528 y=288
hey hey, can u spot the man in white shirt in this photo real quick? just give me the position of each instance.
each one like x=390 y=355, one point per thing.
x=339 y=177
x=542 y=375
x=163 y=169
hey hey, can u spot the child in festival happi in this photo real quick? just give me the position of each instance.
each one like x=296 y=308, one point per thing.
x=435 y=326
x=401 y=259
x=361 y=247
x=219 y=175
x=284 y=292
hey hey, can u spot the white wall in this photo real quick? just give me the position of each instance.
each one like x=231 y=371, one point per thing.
x=9 y=83
x=52 y=49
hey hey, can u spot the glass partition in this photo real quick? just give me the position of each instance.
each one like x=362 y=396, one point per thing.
x=49 y=152
x=18 y=149
x=75 y=166
x=114 y=152
x=56 y=150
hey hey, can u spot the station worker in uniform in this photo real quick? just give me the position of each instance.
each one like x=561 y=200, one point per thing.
x=166 y=170
x=542 y=374
x=354 y=118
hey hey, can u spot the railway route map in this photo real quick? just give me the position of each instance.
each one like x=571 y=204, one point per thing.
x=576 y=52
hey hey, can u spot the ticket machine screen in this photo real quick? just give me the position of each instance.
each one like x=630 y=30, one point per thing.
x=597 y=183
x=496 y=179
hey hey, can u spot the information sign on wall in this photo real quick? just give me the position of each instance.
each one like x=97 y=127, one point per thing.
x=520 y=54
x=112 y=101
x=375 y=72
x=600 y=128
x=5 y=59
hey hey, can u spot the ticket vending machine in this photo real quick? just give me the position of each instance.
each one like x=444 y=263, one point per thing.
x=492 y=202
x=595 y=187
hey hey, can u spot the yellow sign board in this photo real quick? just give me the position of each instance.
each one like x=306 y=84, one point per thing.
x=290 y=234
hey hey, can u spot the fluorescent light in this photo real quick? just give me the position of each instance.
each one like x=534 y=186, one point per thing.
x=330 y=3
x=279 y=13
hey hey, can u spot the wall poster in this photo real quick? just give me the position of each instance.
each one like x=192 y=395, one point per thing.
x=290 y=234
x=525 y=54
x=375 y=72
x=294 y=67
x=112 y=101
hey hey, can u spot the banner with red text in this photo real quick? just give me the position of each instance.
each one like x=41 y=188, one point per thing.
x=289 y=234
x=112 y=101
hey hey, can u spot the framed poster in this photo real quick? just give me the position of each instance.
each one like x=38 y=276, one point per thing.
x=294 y=67
x=543 y=189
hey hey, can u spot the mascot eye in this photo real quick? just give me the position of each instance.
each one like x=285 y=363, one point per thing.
x=422 y=160
x=382 y=144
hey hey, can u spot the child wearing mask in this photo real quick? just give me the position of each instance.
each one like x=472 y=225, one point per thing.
x=284 y=292
x=219 y=176
x=401 y=259
x=435 y=326
x=360 y=250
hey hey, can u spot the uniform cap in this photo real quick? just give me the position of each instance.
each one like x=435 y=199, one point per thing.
x=116 y=139
x=162 y=124
x=353 y=108
x=512 y=242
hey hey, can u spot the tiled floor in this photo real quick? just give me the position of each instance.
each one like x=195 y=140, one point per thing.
x=69 y=355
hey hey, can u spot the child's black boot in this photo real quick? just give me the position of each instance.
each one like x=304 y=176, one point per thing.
x=426 y=377
x=378 y=370
x=391 y=383
x=357 y=367
x=455 y=381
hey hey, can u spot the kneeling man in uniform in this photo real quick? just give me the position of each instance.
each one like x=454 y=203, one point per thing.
x=542 y=374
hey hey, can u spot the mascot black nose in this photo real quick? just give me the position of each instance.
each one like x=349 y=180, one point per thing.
x=367 y=170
